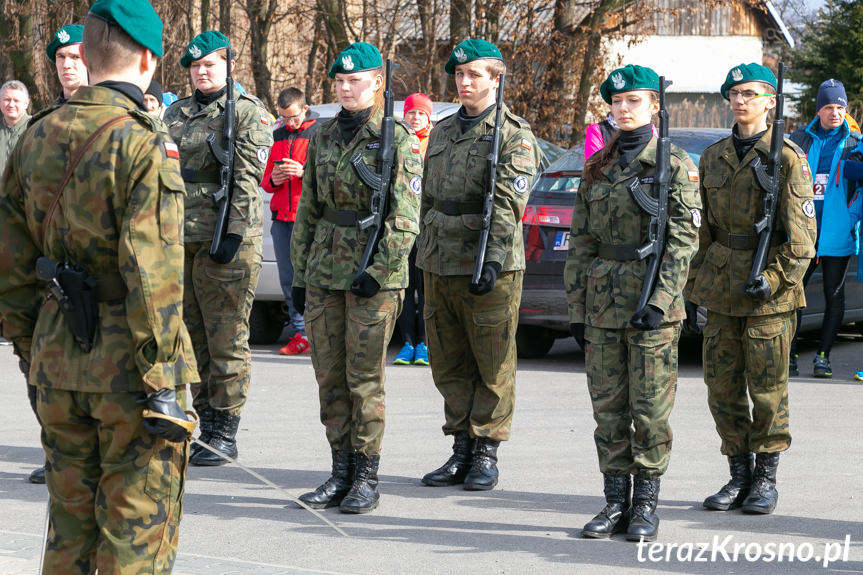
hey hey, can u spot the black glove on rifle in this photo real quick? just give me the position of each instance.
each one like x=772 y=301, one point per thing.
x=490 y=271
x=758 y=288
x=647 y=318
x=365 y=286
x=174 y=425
x=227 y=249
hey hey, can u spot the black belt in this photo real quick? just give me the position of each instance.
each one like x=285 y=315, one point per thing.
x=344 y=217
x=456 y=208
x=742 y=241
x=111 y=287
x=205 y=176
x=620 y=252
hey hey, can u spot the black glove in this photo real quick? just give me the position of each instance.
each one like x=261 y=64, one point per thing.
x=365 y=286
x=164 y=402
x=227 y=249
x=577 y=331
x=691 y=321
x=758 y=288
x=490 y=271
x=298 y=298
x=647 y=318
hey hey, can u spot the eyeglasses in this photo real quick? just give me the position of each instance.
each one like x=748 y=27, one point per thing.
x=746 y=94
x=292 y=118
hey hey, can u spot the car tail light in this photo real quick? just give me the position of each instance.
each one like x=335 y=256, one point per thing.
x=558 y=217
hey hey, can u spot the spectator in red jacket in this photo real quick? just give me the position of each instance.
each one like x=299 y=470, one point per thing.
x=283 y=178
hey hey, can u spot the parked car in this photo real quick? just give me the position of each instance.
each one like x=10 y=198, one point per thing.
x=543 y=313
x=269 y=316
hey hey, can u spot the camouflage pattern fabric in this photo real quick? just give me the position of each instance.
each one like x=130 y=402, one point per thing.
x=631 y=374
x=126 y=518
x=632 y=379
x=349 y=337
x=216 y=309
x=471 y=341
x=8 y=138
x=220 y=297
x=749 y=354
x=327 y=255
x=604 y=292
x=732 y=202
x=120 y=216
x=456 y=170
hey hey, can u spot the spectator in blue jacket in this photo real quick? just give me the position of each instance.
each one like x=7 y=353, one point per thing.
x=828 y=140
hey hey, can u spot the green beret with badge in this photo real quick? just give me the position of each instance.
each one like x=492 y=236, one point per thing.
x=65 y=36
x=357 y=57
x=204 y=43
x=470 y=50
x=137 y=18
x=628 y=79
x=743 y=73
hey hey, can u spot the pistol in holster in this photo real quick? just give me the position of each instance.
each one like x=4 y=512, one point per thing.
x=75 y=292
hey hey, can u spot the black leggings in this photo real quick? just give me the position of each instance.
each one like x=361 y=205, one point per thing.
x=833 y=271
x=411 y=323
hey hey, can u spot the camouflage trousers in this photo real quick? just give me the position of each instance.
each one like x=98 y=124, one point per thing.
x=471 y=341
x=349 y=336
x=632 y=378
x=217 y=301
x=746 y=358
x=116 y=490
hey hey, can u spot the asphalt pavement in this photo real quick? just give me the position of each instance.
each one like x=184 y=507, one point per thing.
x=549 y=487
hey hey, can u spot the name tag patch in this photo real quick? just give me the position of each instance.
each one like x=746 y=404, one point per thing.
x=487 y=138
x=373 y=146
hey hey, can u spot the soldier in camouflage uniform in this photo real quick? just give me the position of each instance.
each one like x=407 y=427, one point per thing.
x=749 y=327
x=115 y=470
x=630 y=354
x=350 y=317
x=221 y=288
x=64 y=50
x=471 y=327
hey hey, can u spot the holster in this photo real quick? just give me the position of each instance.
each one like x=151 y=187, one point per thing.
x=78 y=301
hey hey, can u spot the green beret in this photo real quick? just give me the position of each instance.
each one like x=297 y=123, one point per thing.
x=743 y=73
x=628 y=79
x=137 y=18
x=65 y=36
x=203 y=44
x=357 y=57
x=471 y=50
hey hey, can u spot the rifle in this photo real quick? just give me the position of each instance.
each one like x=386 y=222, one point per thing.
x=225 y=157
x=657 y=207
x=768 y=180
x=488 y=196
x=381 y=181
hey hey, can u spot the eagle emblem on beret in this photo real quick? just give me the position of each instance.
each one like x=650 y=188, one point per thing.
x=460 y=55
x=194 y=52
x=737 y=74
x=617 y=81
x=63 y=36
x=347 y=63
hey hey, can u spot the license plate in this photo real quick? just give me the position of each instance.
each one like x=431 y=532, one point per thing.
x=561 y=241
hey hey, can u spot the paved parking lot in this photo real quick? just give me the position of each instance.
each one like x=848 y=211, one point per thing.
x=550 y=485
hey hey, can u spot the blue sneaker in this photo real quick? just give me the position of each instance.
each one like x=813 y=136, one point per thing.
x=421 y=356
x=859 y=376
x=405 y=356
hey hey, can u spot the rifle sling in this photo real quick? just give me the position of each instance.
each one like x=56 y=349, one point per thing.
x=742 y=241
x=344 y=218
x=456 y=208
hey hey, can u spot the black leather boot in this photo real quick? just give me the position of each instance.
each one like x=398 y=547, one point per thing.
x=363 y=496
x=614 y=516
x=223 y=439
x=643 y=521
x=763 y=496
x=733 y=493
x=205 y=422
x=456 y=467
x=37 y=475
x=337 y=486
x=483 y=469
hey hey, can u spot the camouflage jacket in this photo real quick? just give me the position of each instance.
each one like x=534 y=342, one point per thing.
x=189 y=126
x=120 y=218
x=328 y=255
x=732 y=204
x=604 y=292
x=8 y=137
x=456 y=172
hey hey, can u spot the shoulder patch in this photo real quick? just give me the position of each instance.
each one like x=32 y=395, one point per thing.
x=171 y=150
x=808 y=208
x=519 y=185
